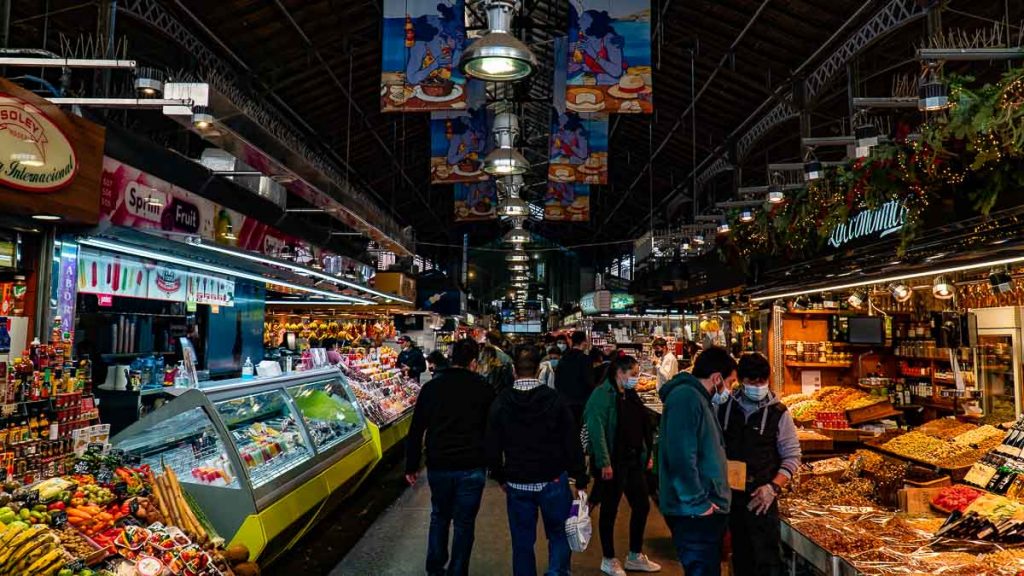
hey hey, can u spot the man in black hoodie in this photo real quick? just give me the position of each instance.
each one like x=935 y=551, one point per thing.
x=533 y=447
x=452 y=409
x=574 y=377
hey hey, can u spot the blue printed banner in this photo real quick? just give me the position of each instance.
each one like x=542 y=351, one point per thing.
x=566 y=202
x=476 y=201
x=459 y=141
x=579 y=148
x=609 y=57
x=422 y=43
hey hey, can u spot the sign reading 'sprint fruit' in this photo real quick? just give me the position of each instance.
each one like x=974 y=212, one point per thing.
x=35 y=154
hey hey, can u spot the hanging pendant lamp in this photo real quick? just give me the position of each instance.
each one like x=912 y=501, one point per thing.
x=498 y=56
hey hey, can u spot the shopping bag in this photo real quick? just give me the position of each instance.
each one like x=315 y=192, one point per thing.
x=578 y=527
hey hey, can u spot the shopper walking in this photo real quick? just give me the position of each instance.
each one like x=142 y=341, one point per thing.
x=548 y=366
x=436 y=362
x=574 y=377
x=759 y=432
x=452 y=411
x=533 y=449
x=410 y=359
x=665 y=362
x=621 y=438
x=692 y=469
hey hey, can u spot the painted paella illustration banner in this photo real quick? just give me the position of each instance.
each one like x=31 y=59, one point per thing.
x=609 y=57
x=459 y=141
x=578 y=148
x=565 y=202
x=423 y=41
x=476 y=201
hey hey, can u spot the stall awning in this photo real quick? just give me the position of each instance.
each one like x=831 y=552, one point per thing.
x=139 y=244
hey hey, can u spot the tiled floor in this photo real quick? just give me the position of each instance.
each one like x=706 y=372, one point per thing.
x=395 y=545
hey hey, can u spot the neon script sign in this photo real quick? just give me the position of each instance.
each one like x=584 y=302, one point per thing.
x=883 y=221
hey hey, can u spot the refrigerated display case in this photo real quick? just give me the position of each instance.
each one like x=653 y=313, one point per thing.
x=998 y=361
x=259 y=456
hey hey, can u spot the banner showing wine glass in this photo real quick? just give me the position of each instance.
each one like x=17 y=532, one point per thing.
x=422 y=43
x=565 y=202
x=459 y=141
x=476 y=201
x=609 y=57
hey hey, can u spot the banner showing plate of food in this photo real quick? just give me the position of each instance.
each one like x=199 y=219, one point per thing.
x=561 y=173
x=468 y=167
x=438 y=90
x=584 y=100
x=482 y=208
x=579 y=210
x=596 y=164
x=554 y=212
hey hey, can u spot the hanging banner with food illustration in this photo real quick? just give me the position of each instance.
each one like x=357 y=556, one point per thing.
x=565 y=202
x=476 y=201
x=609 y=57
x=459 y=141
x=423 y=41
x=579 y=148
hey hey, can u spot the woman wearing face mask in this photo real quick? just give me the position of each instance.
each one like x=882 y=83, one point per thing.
x=548 y=366
x=759 y=432
x=621 y=438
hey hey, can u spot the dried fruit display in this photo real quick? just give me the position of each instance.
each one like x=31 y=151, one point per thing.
x=806 y=410
x=791 y=399
x=920 y=446
x=979 y=435
x=824 y=490
x=955 y=498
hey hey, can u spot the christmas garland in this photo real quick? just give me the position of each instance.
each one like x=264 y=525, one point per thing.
x=976 y=148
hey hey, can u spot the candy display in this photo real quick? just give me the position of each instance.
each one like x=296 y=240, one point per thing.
x=383 y=392
x=955 y=498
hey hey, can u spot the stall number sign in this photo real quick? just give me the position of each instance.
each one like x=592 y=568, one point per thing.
x=880 y=222
x=35 y=155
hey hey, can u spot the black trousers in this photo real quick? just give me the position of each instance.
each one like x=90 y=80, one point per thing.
x=756 y=540
x=630 y=480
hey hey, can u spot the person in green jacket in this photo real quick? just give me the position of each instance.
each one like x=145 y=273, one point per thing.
x=692 y=466
x=621 y=437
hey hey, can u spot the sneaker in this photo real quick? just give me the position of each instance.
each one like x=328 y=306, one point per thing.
x=641 y=563
x=612 y=567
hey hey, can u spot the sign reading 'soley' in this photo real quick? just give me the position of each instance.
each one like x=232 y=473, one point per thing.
x=35 y=154
x=884 y=220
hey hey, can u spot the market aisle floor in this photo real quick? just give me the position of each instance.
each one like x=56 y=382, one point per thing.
x=396 y=543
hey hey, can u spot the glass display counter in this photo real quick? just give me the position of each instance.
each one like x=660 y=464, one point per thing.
x=239 y=446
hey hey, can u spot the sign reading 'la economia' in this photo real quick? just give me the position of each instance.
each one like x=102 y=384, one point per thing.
x=882 y=221
x=35 y=154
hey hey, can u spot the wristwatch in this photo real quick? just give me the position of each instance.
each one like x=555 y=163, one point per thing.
x=775 y=488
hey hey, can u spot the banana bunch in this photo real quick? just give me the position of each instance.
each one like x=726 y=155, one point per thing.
x=28 y=549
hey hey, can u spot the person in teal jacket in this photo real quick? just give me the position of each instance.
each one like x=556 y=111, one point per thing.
x=621 y=436
x=692 y=466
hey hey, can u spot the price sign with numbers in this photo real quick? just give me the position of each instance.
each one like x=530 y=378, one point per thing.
x=81 y=467
x=32 y=498
x=75 y=566
x=104 y=475
x=58 y=518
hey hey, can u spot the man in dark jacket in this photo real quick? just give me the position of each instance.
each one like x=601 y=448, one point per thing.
x=693 y=472
x=533 y=448
x=574 y=377
x=759 y=432
x=452 y=410
x=411 y=359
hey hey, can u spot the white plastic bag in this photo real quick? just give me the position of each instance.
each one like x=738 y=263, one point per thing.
x=578 y=527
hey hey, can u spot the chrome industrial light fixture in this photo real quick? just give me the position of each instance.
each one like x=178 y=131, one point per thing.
x=775 y=193
x=746 y=216
x=518 y=267
x=510 y=185
x=932 y=94
x=813 y=169
x=513 y=207
x=900 y=292
x=517 y=236
x=149 y=82
x=201 y=117
x=942 y=288
x=723 y=227
x=517 y=256
x=865 y=135
x=498 y=56
x=505 y=160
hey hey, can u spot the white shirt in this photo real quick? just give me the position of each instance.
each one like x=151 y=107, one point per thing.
x=668 y=367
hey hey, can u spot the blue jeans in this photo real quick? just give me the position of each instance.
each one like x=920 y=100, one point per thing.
x=698 y=541
x=454 y=499
x=554 y=502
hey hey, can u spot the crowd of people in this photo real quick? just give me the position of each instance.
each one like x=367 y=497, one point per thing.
x=543 y=422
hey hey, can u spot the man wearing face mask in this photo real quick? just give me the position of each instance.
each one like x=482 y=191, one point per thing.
x=692 y=470
x=621 y=438
x=759 y=432
x=665 y=362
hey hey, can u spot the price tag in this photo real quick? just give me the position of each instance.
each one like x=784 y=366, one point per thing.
x=75 y=566
x=81 y=467
x=105 y=475
x=32 y=498
x=58 y=518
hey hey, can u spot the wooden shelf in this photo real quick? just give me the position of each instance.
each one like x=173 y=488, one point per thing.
x=817 y=365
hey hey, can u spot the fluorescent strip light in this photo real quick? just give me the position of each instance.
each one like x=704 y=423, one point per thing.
x=307 y=302
x=887 y=279
x=132 y=251
x=294 y=267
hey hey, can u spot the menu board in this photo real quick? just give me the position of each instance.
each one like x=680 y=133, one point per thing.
x=107 y=274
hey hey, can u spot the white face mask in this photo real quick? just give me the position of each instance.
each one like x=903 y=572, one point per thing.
x=755 y=392
x=631 y=382
x=561 y=346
